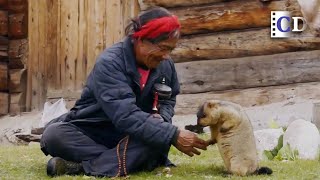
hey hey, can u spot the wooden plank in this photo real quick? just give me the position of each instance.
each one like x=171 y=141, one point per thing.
x=241 y=73
x=18 y=6
x=69 y=42
x=119 y=33
x=115 y=22
x=98 y=36
x=18 y=26
x=91 y=38
x=189 y=103
x=233 y=15
x=145 y=4
x=4 y=23
x=74 y=95
x=82 y=46
x=240 y=44
x=101 y=25
x=43 y=60
x=3 y=76
x=126 y=12
x=130 y=9
x=135 y=8
x=4 y=103
x=33 y=61
x=59 y=73
x=17 y=103
x=51 y=44
x=17 y=80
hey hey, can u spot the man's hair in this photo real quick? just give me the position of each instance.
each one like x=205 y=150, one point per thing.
x=146 y=16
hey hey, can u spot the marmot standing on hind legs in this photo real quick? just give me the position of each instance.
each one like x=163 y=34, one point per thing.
x=231 y=129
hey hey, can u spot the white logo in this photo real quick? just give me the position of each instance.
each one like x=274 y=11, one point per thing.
x=281 y=24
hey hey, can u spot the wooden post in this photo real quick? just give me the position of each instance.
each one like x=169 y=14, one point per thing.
x=3 y=76
x=316 y=114
x=17 y=54
x=4 y=103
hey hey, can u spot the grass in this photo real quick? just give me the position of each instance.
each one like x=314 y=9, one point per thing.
x=28 y=162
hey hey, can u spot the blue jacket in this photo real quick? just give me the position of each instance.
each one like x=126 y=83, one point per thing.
x=112 y=94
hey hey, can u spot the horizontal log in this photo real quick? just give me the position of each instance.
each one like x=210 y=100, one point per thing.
x=17 y=63
x=17 y=80
x=28 y=137
x=17 y=48
x=3 y=23
x=240 y=44
x=18 y=6
x=66 y=94
x=17 y=103
x=233 y=15
x=189 y=103
x=4 y=43
x=242 y=73
x=18 y=26
x=4 y=103
x=37 y=131
x=145 y=4
x=3 y=76
x=4 y=4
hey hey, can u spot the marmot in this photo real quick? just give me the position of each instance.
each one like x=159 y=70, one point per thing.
x=231 y=129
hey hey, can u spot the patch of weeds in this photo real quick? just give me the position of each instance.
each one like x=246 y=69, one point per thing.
x=281 y=152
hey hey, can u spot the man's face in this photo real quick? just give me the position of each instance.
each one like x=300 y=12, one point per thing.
x=150 y=55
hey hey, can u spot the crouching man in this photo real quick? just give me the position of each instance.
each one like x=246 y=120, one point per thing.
x=112 y=130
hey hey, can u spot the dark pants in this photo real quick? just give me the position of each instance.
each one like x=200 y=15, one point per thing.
x=95 y=146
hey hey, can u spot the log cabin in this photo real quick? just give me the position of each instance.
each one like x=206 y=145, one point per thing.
x=13 y=55
x=47 y=49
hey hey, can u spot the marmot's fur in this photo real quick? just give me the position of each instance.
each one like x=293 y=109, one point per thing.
x=232 y=131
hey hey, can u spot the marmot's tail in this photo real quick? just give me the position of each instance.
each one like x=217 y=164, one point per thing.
x=263 y=170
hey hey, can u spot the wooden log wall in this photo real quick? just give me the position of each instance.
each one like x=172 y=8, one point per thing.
x=226 y=53
x=64 y=40
x=249 y=72
x=251 y=97
x=4 y=46
x=225 y=45
x=13 y=55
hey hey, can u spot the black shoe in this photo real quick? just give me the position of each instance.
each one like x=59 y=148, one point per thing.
x=57 y=166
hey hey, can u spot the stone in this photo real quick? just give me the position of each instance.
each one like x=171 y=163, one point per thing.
x=266 y=139
x=303 y=136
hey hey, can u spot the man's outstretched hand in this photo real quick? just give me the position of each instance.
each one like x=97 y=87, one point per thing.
x=187 y=142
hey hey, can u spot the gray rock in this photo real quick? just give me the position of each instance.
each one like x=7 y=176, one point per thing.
x=303 y=136
x=266 y=139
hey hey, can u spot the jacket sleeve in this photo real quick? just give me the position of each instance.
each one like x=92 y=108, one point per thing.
x=113 y=93
x=167 y=106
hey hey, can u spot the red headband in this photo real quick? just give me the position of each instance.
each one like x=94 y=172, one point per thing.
x=156 y=27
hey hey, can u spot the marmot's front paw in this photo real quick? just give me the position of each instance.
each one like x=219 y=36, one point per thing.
x=211 y=141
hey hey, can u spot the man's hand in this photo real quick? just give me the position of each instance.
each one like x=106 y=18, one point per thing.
x=187 y=142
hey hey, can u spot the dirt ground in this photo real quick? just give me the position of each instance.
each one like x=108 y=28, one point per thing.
x=261 y=116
